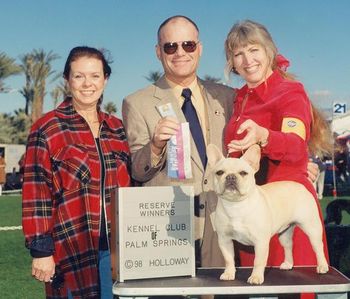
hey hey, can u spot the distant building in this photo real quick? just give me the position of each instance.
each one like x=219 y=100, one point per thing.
x=12 y=153
x=341 y=125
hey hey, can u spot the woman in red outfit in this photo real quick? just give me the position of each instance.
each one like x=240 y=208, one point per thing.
x=76 y=156
x=273 y=110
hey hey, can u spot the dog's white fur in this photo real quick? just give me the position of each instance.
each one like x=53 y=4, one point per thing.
x=252 y=214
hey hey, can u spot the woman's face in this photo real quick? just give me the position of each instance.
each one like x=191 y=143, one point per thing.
x=252 y=64
x=86 y=81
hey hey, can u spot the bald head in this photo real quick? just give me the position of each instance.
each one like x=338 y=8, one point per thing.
x=173 y=20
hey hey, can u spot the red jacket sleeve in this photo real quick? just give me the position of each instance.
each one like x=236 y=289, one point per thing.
x=37 y=202
x=289 y=146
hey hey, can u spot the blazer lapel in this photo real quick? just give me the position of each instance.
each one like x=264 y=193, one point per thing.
x=165 y=95
x=209 y=102
x=216 y=114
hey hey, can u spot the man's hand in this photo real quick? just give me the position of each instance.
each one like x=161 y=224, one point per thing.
x=165 y=128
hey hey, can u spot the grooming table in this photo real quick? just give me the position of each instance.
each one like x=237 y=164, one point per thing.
x=299 y=280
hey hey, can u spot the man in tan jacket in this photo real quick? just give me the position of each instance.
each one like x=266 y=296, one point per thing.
x=179 y=51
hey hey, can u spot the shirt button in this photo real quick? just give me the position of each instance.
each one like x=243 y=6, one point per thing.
x=205 y=181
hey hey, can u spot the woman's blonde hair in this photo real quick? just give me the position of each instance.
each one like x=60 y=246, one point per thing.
x=321 y=137
x=250 y=32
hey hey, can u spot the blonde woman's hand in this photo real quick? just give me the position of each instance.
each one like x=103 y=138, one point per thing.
x=312 y=171
x=255 y=134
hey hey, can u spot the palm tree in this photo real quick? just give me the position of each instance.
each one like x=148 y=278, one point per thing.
x=37 y=68
x=6 y=128
x=60 y=92
x=8 y=67
x=211 y=79
x=21 y=125
x=64 y=89
x=110 y=108
x=27 y=91
x=14 y=128
x=154 y=76
x=56 y=95
x=42 y=70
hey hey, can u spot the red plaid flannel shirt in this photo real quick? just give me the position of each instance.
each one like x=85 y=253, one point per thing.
x=61 y=192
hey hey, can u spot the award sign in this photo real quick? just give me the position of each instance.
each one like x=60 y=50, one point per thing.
x=153 y=235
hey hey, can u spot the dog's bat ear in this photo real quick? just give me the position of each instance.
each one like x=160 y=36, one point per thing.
x=214 y=154
x=252 y=155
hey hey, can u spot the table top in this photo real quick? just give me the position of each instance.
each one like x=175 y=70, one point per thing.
x=207 y=282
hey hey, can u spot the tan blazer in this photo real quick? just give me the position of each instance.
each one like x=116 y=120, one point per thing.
x=140 y=116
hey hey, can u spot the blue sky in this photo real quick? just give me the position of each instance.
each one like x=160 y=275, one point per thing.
x=312 y=34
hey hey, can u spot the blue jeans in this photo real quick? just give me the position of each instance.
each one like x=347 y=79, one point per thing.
x=105 y=275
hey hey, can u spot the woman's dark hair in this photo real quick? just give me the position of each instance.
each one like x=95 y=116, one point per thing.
x=84 y=51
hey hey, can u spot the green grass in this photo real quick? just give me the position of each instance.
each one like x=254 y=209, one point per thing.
x=10 y=210
x=15 y=262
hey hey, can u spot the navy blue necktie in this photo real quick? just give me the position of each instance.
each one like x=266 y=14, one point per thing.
x=195 y=127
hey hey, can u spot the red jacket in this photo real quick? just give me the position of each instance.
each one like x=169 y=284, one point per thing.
x=267 y=105
x=286 y=154
x=61 y=193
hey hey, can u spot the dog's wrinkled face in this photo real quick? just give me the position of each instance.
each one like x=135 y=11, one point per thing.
x=232 y=179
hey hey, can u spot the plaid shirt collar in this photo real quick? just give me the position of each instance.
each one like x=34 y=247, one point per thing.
x=66 y=111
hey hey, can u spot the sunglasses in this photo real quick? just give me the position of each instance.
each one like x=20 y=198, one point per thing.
x=188 y=46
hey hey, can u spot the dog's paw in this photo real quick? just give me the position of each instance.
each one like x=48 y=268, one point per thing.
x=228 y=275
x=256 y=279
x=321 y=269
x=286 y=266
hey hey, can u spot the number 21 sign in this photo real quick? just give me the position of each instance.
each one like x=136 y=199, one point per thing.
x=339 y=108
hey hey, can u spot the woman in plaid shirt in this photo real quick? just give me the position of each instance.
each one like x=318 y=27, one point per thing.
x=76 y=155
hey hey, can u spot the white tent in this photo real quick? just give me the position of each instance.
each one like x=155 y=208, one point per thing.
x=341 y=124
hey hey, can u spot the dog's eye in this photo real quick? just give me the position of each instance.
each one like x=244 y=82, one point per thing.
x=220 y=172
x=243 y=173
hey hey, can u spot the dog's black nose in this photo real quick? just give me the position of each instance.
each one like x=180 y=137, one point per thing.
x=231 y=180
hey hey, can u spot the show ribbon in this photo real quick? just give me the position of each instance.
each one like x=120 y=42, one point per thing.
x=178 y=153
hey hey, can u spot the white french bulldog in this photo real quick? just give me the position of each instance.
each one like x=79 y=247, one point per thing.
x=252 y=214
